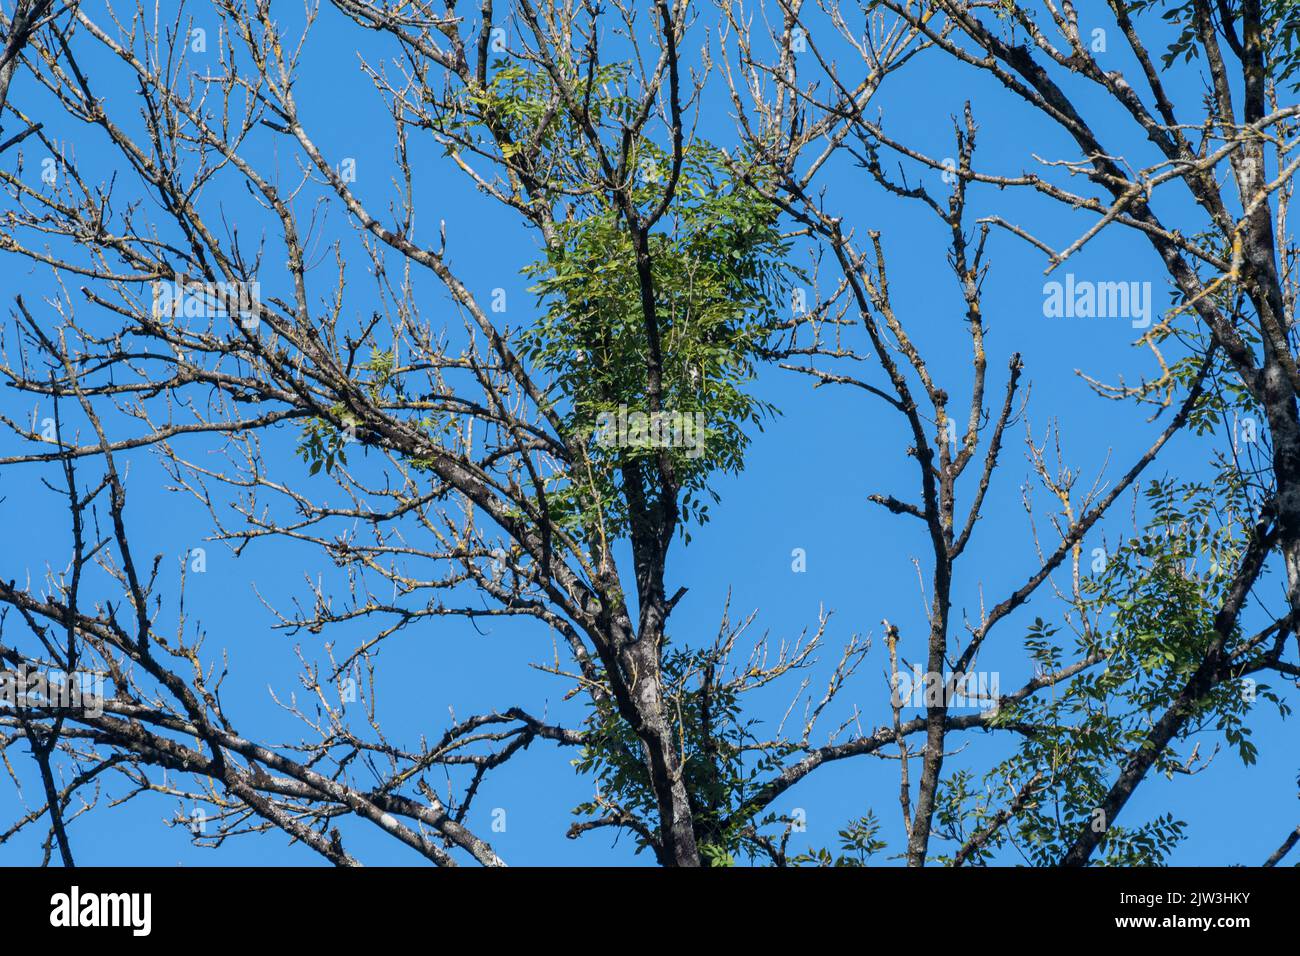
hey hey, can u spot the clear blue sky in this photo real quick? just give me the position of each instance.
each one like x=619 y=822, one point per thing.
x=805 y=486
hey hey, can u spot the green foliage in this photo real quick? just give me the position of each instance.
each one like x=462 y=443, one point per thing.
x=722 y=767
x=859 y=842
x=517 y=101
x=322 y=443
x=1280 y=29
x=718 y=272
x=1153 y=606
x=382 y=365
x=718 y=267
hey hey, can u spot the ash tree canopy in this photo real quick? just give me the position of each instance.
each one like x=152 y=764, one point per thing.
x=369 y=293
